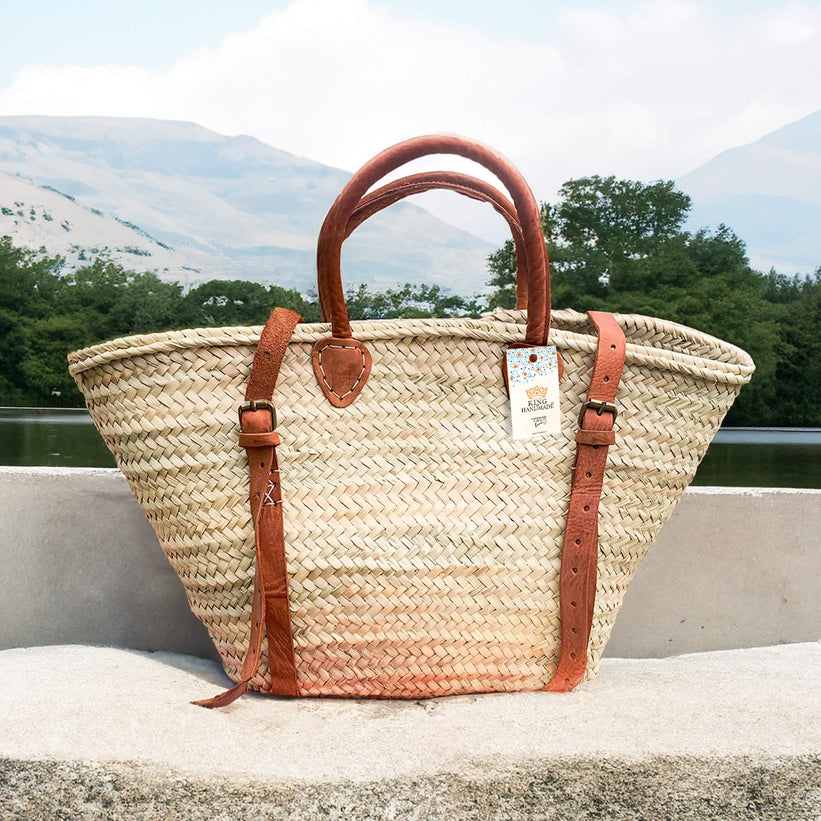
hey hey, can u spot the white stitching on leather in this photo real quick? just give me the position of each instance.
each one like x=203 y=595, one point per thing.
x=322 y=370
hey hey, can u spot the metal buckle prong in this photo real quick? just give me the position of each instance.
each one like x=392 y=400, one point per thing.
x=600 y=406
x=259 y=404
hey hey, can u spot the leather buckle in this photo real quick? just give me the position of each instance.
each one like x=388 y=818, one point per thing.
x=259 y=404
x=600 y=406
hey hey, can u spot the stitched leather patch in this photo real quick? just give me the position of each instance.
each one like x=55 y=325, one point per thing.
x=342 y=367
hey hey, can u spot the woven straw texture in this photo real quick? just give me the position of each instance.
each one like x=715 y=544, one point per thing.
x=423 y=543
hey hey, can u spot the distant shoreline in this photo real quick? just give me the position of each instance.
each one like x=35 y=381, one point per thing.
x=7 y=410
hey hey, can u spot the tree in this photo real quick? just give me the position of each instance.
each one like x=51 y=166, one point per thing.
x=619 y=245
x=112 y=301
x=798 y=365
x=29 y=291
x=28 y=281
x=713 y=253
x=604 y=231
x=604 y=236
x=227 y=302
x=238 y=302
x=44 y=371
x=308 y=309
x=406 y=302
x=502 y=267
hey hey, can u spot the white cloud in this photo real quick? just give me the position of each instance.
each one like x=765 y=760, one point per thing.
x=650 y=90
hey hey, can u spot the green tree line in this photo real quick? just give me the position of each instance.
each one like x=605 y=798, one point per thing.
x=613 y=245
x=618 y=245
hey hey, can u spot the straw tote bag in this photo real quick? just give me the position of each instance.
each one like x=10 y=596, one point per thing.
x=345 y=504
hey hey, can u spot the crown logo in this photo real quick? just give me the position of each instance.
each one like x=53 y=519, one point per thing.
x=536 y=392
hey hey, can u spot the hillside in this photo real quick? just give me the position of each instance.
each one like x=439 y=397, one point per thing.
x=39 y=217
x=769 y=193
x=225 y=207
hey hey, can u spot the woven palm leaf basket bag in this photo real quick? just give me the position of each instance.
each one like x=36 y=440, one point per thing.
x=345 y=503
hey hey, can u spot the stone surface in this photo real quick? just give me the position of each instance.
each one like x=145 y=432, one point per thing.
x=582 y=789
x=103 y=733
x=734 y=567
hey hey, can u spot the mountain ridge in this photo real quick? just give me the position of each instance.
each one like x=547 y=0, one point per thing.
x=216 y=206
x=44 y=219
x=769 y=193
x=241 y=208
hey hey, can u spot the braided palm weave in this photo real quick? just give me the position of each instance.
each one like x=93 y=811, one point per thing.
x=423 y=543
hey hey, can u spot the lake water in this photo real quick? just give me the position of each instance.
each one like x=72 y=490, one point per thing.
x=751 y=457
x=46 y=436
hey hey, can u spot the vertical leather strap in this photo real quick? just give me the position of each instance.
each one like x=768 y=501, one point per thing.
x=577 y=585
x=270 y=598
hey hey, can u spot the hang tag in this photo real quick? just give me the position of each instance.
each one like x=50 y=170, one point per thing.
x=533 y=380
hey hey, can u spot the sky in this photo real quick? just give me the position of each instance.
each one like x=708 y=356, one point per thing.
x=645 y=90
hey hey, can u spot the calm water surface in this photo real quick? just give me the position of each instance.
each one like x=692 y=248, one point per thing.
x=763 y=457
x=56 y=437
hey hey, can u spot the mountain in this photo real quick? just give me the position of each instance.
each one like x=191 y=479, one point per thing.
x=769 y=193
x=40 y=217
x=199 y=205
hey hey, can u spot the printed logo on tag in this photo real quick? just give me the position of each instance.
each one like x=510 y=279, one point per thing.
x=533 y=379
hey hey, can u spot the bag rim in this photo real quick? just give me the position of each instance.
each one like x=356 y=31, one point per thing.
x=570 y=329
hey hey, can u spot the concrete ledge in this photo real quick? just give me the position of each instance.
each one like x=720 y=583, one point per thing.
x=734 y=567
x=61 y=528
x=103 y=733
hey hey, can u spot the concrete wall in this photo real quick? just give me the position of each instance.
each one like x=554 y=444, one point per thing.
x=734 y=567
x=79 y=564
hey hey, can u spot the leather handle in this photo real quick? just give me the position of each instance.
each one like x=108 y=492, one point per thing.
x=463 y=184
x=341 y=363
x=332 y=233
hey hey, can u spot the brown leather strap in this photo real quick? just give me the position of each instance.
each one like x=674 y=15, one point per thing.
x=332 y=233
x=463 y=184
x=577 y=585
x=342 y=365
x=270 y=599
